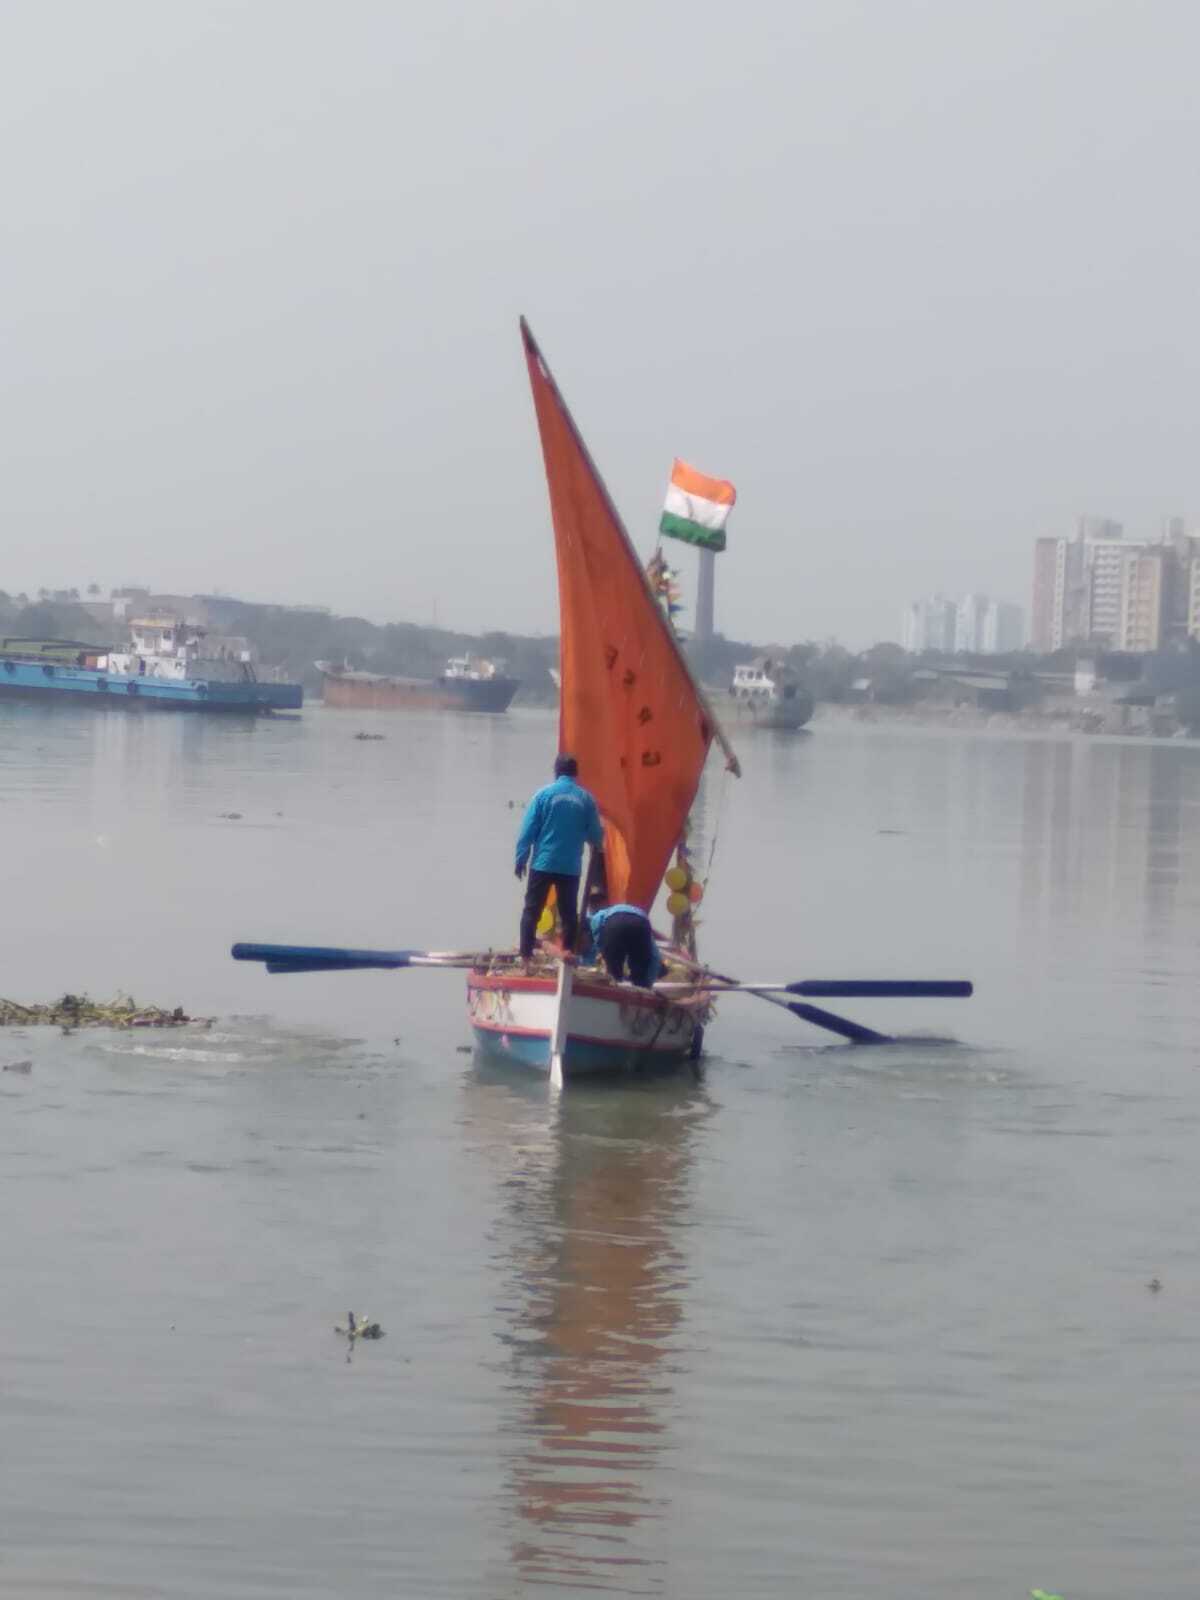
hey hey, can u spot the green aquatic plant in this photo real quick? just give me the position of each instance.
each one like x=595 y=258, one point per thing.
x=77 y=1011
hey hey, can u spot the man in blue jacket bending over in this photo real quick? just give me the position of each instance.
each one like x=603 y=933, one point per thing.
x=621 y=934
x=559 y=821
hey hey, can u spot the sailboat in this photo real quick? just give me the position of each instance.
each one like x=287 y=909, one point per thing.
x=641 y=730
x=639 y=725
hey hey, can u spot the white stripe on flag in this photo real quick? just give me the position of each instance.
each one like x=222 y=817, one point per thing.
x=690 y=506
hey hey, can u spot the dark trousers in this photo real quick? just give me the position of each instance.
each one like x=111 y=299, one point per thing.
x=566 y=890
x=624 y=937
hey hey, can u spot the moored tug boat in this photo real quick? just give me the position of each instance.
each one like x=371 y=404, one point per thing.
x=769 y=693
x=466 y=684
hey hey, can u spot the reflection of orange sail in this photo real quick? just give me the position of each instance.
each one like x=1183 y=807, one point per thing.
x=630 y=711
x=590 y=1244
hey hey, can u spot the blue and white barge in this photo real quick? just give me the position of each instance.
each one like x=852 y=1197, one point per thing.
x=165 y=667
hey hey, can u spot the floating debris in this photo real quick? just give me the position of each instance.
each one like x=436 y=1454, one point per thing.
x=359 y=1330
x=231 y=816
x=1154 y=1285
x=77 y=1011
x=371 y=736
x=18 y=1066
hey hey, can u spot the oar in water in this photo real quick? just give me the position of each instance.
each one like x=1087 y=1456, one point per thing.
x=827 y=988
x=280 y=958
x=835 y=988
x=328 y=958
x=863 y=989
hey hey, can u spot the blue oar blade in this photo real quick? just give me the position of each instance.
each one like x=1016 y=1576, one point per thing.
x=843 y=1026
x=884 y=988
x=320 y=958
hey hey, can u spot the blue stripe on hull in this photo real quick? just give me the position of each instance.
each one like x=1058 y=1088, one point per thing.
x=583 y=1058
x=25 y=680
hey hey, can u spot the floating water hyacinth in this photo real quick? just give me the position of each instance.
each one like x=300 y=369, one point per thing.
x=77 y=1011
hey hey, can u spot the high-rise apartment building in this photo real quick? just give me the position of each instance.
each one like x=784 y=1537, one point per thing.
x=973 y=625
x=1003 y=629
x=968 y=624
x=1059 y=594
x=1103 y=577
x=1100 y=589
x=929 y=624
x=1144 y=579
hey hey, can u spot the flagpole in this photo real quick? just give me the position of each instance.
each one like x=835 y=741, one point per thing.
x=705 y=590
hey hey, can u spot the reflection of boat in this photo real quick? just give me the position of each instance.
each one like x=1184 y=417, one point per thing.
x=769 y=693
x=166 y=666
x=639 y=726
x=589 y=1233
x=467 y=684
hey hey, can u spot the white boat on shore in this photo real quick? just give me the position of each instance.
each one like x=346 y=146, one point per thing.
x=768 y=693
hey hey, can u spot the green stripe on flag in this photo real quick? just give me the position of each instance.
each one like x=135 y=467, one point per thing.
x=692 y=532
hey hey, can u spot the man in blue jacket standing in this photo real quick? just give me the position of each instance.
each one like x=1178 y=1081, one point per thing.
x=559 y=821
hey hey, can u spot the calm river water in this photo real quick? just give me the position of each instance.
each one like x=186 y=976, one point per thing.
x=830 y=1322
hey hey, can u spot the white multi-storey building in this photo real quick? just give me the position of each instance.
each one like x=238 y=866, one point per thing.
x=1193 y=594
x=1101 y=589
x=968 y=624
x=1104 y=577
x=973 y=625
x=929 y=624
x=1143 y=595
x=1003 y=629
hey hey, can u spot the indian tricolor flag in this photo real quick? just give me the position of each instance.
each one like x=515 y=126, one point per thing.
x=696 y=507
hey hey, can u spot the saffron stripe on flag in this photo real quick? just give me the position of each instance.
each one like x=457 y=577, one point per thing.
x=693 y=482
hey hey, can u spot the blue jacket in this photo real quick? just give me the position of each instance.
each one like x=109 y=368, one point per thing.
x=559 y=821
x=597 y=920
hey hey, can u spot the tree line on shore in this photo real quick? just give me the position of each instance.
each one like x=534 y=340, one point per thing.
x=291 y=641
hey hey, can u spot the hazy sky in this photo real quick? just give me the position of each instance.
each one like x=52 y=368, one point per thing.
x=921 y=278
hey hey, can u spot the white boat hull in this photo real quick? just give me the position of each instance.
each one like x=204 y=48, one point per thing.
x=610 y=1028
x=763 y=713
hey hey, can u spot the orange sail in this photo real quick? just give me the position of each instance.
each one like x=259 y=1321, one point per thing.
x=631 y=712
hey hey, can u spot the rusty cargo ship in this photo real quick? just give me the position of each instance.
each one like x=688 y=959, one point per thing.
x=465 y=685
